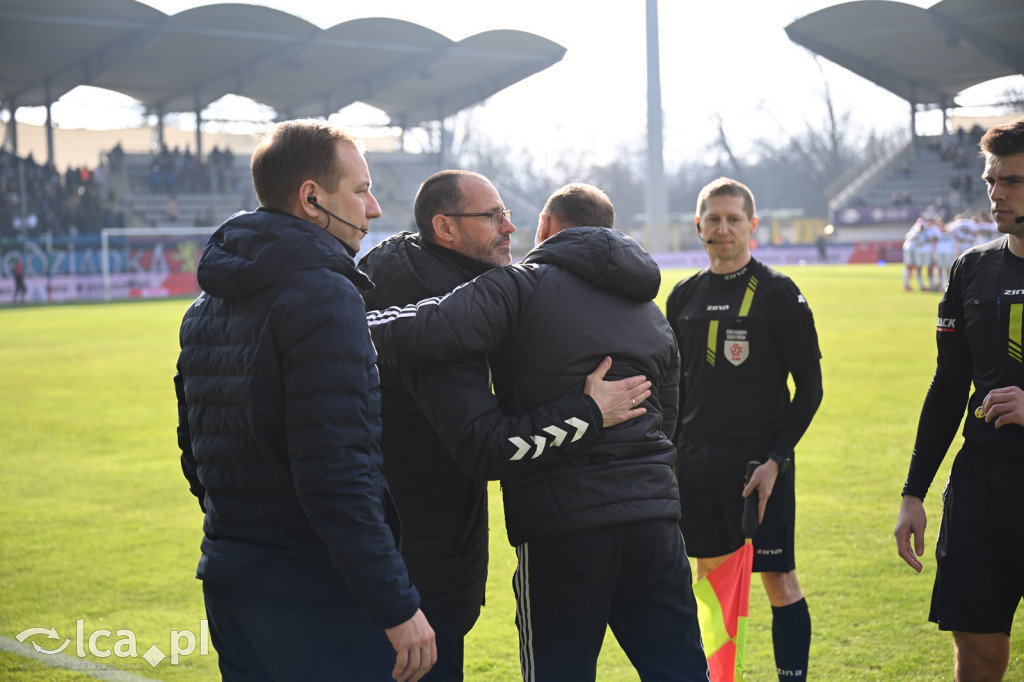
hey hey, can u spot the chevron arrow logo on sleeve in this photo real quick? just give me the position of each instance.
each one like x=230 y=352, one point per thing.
x=558 y=433
x=522 y=448
x=581 y=427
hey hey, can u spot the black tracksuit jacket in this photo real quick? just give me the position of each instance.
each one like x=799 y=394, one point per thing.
x=581 y=295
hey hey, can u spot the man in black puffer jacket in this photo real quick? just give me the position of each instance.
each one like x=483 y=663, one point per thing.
x=595 y=532
x=278 y=424
x=444 y=434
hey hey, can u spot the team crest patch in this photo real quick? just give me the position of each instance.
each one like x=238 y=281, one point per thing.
x=737 y=351
x=736 y=348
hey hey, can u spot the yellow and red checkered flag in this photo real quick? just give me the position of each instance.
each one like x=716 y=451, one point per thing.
x=723 y=599
x=723 y=602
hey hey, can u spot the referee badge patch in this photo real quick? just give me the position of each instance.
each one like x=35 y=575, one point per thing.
x=736 y=348
x=737 y=351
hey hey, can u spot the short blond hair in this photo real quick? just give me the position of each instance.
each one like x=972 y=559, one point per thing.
x=728 y=187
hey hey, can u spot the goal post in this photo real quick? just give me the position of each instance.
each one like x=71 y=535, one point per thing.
x=151 y=260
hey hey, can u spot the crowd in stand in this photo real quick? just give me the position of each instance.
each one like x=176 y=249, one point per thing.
x=175 y=171
x=63 y=205
x=77 y=202
x=957 y=152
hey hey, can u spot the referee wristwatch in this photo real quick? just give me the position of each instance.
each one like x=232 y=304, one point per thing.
x=781 y=460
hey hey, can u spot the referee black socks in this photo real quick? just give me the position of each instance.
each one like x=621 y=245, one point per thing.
x=791 y=639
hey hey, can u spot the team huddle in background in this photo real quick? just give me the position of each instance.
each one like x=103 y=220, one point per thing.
x=930 y=247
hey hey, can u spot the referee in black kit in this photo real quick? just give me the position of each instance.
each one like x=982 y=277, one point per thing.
x=743 y=328
x=979 y=557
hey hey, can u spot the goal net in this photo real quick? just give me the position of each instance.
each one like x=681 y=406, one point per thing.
x=151 y=261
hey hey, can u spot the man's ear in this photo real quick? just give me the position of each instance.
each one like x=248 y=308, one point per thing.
x=543 y=228
x=443 y=227
x=304 y=206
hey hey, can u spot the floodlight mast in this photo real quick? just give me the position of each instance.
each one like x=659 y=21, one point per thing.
x=655 y=199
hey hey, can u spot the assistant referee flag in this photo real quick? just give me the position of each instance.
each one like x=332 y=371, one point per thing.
x=723 y=601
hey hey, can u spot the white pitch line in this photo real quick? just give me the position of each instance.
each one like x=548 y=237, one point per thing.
x=83 y=666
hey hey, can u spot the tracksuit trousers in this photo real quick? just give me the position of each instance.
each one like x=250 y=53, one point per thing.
x=634 y=578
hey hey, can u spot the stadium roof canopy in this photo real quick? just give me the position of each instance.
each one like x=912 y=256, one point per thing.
x=925 y=56
x=185 y=61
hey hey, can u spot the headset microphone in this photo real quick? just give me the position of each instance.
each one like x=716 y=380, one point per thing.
x=311 y=199
x=1020 y=219
x=705 y=241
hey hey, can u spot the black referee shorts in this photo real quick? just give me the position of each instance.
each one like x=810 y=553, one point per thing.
x=979 y=556
x=711 y=480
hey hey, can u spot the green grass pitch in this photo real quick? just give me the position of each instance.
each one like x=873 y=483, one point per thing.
x=97 y=524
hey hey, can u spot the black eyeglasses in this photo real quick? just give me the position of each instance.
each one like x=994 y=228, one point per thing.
x=506 y=214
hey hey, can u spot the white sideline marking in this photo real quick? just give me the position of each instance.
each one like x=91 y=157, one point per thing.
x=70 y=663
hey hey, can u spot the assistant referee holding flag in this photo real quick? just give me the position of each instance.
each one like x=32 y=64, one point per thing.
x=743 y=329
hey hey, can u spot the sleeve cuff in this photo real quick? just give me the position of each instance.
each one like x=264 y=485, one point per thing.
x=596 y=418
x=781 y=459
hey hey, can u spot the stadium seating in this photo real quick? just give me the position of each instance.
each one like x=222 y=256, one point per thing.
x=939 y=169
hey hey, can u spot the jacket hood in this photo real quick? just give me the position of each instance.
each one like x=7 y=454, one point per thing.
x=253 y=250
x=604 y=257
x=403 y=265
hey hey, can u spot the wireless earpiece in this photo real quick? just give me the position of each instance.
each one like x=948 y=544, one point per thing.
x=312 y=199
